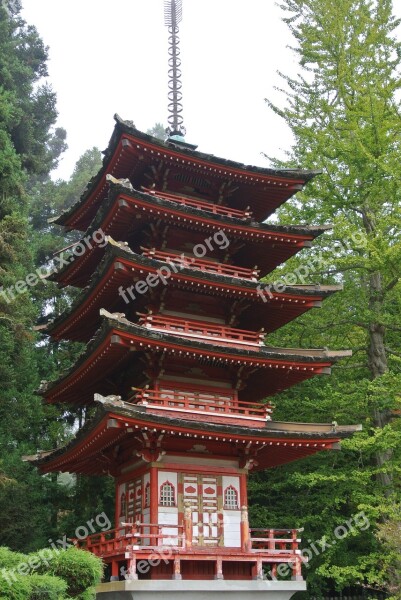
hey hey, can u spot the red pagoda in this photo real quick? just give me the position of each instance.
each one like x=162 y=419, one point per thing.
x=176 y=363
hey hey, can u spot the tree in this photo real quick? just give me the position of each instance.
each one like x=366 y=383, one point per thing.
x=158 y=131
x=343 y=109
x=29 y=149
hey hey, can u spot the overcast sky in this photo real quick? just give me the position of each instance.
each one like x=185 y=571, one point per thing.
x=111 y=56
x=108 y=57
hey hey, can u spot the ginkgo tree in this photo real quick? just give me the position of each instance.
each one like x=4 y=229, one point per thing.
x=343 y=108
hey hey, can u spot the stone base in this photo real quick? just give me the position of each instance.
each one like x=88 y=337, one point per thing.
x=163 y=589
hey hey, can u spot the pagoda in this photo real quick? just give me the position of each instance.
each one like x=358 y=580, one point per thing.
x=176 y=364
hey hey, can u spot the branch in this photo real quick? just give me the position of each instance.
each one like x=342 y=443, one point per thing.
x=393 y=352
x=354 y=366
x=355 y=323
x=392 y=284
x=331 y=271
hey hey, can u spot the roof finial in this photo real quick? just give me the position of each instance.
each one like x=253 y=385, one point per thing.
x=172 y=16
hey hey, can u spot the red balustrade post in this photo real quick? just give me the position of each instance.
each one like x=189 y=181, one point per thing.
x=177 y=568
x=257 y=569
x=297 y=569
x=245 y=537
x=271 y=541
x=219 y=568
x=294 y=544
x=188 y=525
x=131 y=565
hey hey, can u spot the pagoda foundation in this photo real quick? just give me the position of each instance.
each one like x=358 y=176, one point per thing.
x=199 y=590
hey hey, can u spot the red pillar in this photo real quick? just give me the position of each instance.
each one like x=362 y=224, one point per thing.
x=245 y=533
x=154 y=503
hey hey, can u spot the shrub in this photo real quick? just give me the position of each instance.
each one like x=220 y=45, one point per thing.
x=79 y=568
x=47 y=587
x=9 y=559
x=18 y=589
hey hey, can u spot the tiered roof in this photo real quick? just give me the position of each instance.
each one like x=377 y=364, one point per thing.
x=124 y=213
x=138 y=156
x=120 y=266
x=118 y=344
x=176 y=194
x=118 y=424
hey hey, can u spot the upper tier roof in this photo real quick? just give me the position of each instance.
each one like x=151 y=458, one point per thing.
x=120 y=266
x=111 y=351
x=130 y=153
x=118 y=424
x=124 y=213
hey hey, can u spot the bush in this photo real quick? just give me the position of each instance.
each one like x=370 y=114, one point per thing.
x=79 y=568
x=19 y=588
x=33 y=587
x=9 y=559
x=49 y=575
x=47 y=587
x=89 y=594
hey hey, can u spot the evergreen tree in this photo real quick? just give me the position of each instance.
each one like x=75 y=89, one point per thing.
x=158 y=131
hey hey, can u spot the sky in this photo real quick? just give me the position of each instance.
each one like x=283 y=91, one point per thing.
x=111 y=57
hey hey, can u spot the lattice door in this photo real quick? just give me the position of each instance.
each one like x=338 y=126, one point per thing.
x=203 y=492
x=134 y=505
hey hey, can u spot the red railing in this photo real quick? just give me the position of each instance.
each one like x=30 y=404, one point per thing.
x=275 y=540
x=195 y=203
x=200 y=329
x=208 y=266
x=133 y=541
x=208 y=403
x=135 y=534
x=141 y=534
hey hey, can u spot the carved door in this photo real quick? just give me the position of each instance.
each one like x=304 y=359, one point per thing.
x=203 y=493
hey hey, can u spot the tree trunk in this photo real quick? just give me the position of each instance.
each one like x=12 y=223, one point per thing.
x=377 y=361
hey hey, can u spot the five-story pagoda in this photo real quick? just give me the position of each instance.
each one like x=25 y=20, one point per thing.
x=175 y=320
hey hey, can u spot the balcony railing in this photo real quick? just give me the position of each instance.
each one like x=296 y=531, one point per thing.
x=276 y=540
x=143 y=535
x=151 y=535
x=201 y=204
x=202 y=330
x=134 y=541
x=208 y=266
x=212 y=404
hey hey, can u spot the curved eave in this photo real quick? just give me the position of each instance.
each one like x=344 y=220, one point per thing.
x=117 y=423
x=275 y=185
x=118 y=339
x=266 y=245
x=120 y=267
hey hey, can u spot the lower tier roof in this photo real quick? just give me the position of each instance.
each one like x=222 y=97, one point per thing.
x=118 y=432
x=258 y=305
x=114 y=361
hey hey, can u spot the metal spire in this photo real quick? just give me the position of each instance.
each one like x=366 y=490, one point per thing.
x=172 y=16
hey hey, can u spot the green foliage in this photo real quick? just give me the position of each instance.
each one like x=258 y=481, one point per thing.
x=8 y=558
x=47 y=587
x=20 y=589
x=389 y=533
x=344 y=111
x=29 y=149
x=79 y=568
x=57 y=575
x=29 y=109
